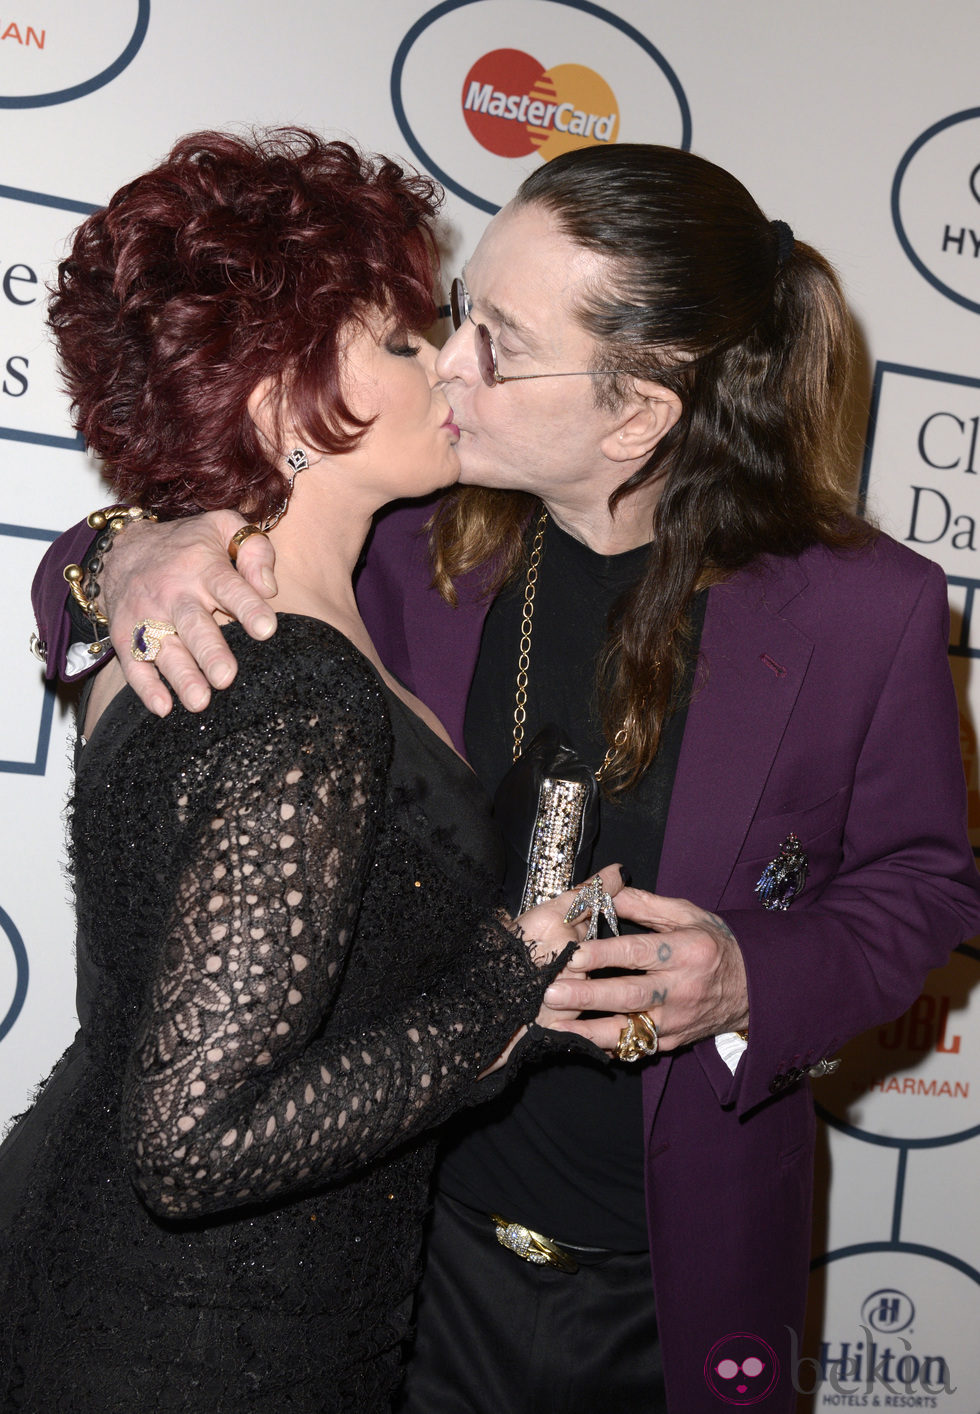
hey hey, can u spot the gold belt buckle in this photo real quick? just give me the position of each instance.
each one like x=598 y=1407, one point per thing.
x=532 y=1246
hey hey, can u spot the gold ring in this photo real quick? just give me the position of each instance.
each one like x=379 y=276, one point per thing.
x=239 y=538
x=148 y=635
x=639 y=1037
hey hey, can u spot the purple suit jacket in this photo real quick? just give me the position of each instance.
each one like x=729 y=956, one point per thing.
x=823 y=706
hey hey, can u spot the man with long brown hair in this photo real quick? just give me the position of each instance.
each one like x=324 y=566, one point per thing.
x=652 y=551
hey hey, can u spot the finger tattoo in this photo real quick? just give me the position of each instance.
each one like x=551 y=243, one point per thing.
x=664 y=952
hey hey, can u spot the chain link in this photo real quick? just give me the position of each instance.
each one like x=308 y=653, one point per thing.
x=524 y=657
x=619 y=741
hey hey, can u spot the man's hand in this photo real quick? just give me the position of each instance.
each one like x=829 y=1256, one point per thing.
x=689 y=975
x=179 y=572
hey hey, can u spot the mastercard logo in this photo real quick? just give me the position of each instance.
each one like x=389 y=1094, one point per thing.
x=466 y=118
x=514 y=106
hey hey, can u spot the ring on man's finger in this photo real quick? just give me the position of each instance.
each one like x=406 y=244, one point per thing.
x=238 y=540
x=148 y=635
x=639 y=1037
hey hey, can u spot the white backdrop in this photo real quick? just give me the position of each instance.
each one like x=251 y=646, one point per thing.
x=855 y=120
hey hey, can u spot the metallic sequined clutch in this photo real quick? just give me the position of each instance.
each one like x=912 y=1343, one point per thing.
x=547 y=810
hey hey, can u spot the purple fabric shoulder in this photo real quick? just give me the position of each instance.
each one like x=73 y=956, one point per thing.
x=430 y=646
x=49 y=597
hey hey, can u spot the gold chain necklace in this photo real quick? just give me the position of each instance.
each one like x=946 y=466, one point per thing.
x=560 y=809
x=524 y=657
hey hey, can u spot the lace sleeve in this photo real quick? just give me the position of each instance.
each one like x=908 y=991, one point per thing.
x=242 y=1086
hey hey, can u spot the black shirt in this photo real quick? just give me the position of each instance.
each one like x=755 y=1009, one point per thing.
x=561 y=1150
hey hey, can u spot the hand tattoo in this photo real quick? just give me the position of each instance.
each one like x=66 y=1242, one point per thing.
x=722 y=927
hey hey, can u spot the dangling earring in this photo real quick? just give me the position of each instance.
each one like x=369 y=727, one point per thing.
x=299 y=461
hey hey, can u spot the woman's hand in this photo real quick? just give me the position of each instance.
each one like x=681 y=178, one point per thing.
x=545 y=927
x=546 y=933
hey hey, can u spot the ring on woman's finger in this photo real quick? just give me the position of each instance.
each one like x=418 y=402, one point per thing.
x=148 y=635
x=238 y=540
x=592 y=898
x=639 y=1037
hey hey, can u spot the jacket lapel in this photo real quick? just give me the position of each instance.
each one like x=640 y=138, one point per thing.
x=753 y=662
x=752 y=666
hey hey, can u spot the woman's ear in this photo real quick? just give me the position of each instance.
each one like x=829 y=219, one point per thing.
x=263 y=411
x=649 y=413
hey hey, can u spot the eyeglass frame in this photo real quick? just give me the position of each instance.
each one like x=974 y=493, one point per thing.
x=460 y=307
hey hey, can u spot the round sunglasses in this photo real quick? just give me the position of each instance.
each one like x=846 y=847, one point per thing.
x=460 y=308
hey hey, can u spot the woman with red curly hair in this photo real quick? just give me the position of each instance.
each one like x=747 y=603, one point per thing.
x=290 y=970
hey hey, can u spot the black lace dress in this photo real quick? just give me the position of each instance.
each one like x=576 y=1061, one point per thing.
x=289 y=972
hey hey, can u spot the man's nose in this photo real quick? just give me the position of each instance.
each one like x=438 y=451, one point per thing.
x=457 y=357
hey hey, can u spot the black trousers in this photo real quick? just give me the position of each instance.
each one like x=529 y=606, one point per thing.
x=498 y=1335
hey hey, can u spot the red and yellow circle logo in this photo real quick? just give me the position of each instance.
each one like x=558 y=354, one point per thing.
x=514 y=106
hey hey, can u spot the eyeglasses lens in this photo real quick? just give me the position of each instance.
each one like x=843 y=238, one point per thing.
x=458 y=303
x=486 y=357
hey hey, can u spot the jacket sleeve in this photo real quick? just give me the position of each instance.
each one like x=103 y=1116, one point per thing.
x=903 y=889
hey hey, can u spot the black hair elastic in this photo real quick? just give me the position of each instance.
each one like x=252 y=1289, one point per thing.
x=785 y=241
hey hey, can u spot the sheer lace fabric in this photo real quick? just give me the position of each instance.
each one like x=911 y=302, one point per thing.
x=289 y=973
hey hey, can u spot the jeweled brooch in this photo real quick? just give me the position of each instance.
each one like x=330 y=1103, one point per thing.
x=784 y=878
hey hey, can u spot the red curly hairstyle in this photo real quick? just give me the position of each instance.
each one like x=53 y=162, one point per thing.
x=234 y=261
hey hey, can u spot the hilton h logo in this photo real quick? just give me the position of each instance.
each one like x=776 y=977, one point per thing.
x=886 y=1314
x=888 y=1311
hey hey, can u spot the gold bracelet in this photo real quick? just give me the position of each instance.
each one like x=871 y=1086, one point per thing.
x=82 y=579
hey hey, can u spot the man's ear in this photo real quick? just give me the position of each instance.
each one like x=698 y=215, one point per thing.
x=650 y=412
